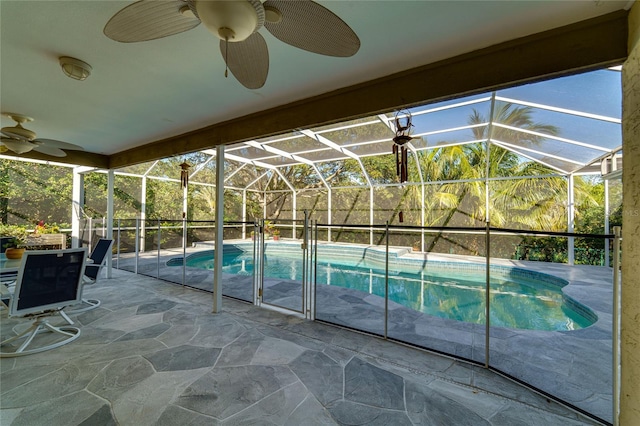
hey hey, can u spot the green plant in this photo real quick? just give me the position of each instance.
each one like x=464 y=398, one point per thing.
x=16 y=234
x=42 y=228
x=268 y=227
x=275 y=232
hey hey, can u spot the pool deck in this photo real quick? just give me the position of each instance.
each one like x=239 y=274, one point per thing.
x=574 y=366
x=154 y=354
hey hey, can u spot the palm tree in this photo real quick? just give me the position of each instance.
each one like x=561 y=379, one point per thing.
x=530 y=203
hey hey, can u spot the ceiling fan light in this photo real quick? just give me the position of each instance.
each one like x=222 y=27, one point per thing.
x=241 y=18
x=75 y=68
x=19 y=147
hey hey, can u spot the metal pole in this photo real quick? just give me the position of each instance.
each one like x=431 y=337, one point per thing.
x=184 y=249
x=137 y=244
x=571 y=220
x=305 y=255
x=607 y=213
x=487 y=299
x=370 y=215
x=159 y=240
x=244 y=214
x=90 y=234
x=315 y=274
x=219 y=237
x=109 y=230
x=329 y=212
x=118 y=248
x=616 y=325
x=386 y=280
x=256 y=264
x=261 y=248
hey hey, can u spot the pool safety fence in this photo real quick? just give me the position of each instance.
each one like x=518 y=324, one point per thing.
x=551 y=362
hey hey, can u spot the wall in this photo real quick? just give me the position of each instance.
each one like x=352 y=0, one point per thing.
x=630 y=329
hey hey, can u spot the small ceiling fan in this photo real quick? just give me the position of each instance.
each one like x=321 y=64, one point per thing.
x=20 y=140
x=301 y=23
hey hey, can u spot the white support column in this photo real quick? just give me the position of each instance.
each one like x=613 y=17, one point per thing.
x=422 y=216
x=77 y=206
x=244 y=214
x=219 y=218
x=110 y=190
x=294 y=214
x=487 y=216
x=143 y=212
x=571 y=217
x=184 y=216
x=329 y=211
x=370 y=215
x=607 y=213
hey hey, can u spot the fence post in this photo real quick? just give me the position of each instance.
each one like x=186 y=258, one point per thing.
x=158 y=273
x=118 y=248
x=487 y=298
x=137 y=244
x=386 y=280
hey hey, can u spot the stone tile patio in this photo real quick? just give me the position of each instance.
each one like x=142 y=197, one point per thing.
x=574 y=366
x=153 y=353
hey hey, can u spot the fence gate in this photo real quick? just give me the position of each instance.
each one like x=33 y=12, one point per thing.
x=283 y=265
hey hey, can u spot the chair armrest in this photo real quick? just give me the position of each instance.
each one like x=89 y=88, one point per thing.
x=4 y=291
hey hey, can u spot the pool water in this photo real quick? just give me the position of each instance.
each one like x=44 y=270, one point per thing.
x=515 y=303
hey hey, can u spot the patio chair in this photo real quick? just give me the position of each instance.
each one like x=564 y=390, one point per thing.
x=48 y=281
x=98 y=259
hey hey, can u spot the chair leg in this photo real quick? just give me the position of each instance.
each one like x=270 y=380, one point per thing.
x=41 y=324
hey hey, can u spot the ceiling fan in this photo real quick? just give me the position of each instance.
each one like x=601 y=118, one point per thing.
x=301 y=23
x=20 y=140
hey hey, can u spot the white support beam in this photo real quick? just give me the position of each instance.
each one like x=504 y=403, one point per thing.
x=555 y=138
x=219 y=237
x=571 y=217
x=244 y=214
x=516 y=148
x=110 y=199
x=77 y=206
x=143 y=211
x=509 y=148
x=563 y=110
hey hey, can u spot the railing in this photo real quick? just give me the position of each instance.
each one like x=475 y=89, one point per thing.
x=457 y=291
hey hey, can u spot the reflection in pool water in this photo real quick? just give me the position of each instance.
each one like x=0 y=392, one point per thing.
x=516 y=302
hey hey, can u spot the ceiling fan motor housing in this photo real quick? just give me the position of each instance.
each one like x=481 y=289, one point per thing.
x=230 y=20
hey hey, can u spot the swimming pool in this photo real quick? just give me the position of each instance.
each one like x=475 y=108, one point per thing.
x=518 y=298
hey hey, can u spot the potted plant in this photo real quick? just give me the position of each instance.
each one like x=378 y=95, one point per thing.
x=46 y=237
x=13 y=237
x=416 y=245
x=276 y=234
x=268 y=227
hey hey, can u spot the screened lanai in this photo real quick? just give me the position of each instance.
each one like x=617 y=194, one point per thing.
x=510 y=157
x=515 y=184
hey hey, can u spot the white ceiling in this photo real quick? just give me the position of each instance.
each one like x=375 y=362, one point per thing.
x=142 y=92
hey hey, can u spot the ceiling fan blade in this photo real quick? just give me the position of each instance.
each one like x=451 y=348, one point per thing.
x=51 y=143
x=309 y=26
x=19 y=146
x=49 y=150
x=248 y=60
x=14 y=135
x=148 y=20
